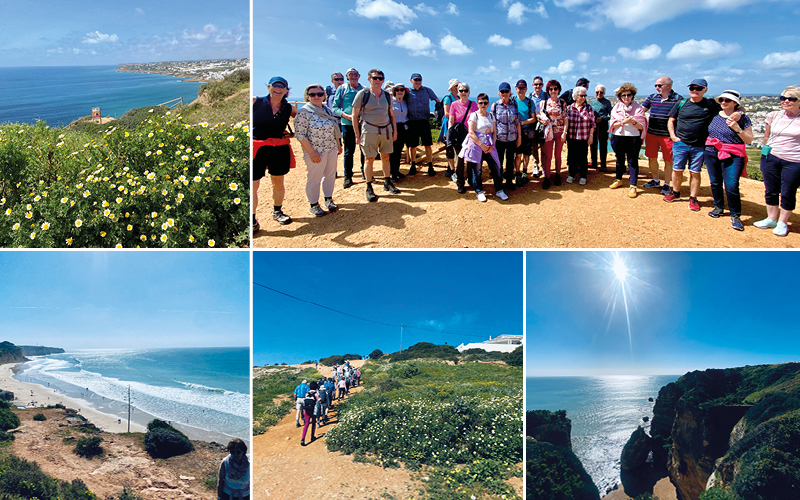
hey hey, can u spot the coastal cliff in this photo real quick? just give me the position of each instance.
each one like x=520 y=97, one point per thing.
x=552 y=471
x=10 y=353
x=736 y=430
x=37 y=350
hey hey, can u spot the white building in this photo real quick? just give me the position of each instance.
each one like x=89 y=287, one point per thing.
x=501 y=343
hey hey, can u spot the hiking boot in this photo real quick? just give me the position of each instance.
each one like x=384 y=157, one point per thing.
x=694 y=205
x=371 y=194
x=518 y=179
x=281 y=217
x=632 y=193
x=297 y=423
x=502 y=195
x=509 y=186
x=716 y=213
x=413 y=169
x=652 y=184
x=546 y=183
x=449 y=172
x=616 y=184
x=557 y=180
x=665 y=189
x=736 y=223
x=317 y=211
x=363 y=175
x=462 y=190
x=582 y=182
x=570 y=179
x=454 y=178
x=388 y=186
x=672 y=196
x=536 y=172
x=256 y=226
x=331 y=206
x=302 y=441
x=431 y=171
x=400 y=175
x=766 y=223
x=348 y=181
x=395 y=177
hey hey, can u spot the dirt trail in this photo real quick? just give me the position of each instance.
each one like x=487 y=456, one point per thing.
x=429 y=213
x=282 y=469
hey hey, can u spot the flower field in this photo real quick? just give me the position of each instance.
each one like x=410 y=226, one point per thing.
x=461 y=424
x=161 y=184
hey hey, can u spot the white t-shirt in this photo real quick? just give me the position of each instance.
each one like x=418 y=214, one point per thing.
x=784 y=136
x=484 y=124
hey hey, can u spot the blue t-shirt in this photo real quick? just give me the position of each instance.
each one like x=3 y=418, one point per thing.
x=719 y=129
x=418 y=103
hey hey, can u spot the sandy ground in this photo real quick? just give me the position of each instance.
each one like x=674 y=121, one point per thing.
x=663 y=490
x=429 y=213
x=124 y=462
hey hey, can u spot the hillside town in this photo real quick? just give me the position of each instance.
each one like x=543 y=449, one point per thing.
x=200 y=71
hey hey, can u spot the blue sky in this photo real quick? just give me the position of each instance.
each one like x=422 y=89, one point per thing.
x=453 y=297
x=87 y=32
x=746 y=45
x=99 y=299
x=687 y=310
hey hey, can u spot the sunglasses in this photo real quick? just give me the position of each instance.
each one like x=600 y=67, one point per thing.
x=788 y=98
x=523 y=87
x=599 y=92
x=626 y=95
x=538 y=84
x=378 y=78
x=483 y=103
x=551 y=89
x=696 y=88
x=723 y=100
x=582 y=95
x=659 y=85
x=316 y=94
x=505 y=91
x=278 y=85
x=463 y=91
x=338 y=79
x=400 y=90
x=417 y=79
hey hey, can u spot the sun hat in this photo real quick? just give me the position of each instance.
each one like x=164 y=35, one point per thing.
x=276 y=79
x=732 y=95
x=452 y=83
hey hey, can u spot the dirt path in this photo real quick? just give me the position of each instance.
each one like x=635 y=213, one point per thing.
x=282 y=469
x=429 y=213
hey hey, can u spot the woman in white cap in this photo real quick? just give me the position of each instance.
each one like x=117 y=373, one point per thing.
x=725 y=156
x=450 y=153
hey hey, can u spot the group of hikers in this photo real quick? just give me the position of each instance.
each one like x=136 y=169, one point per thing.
x=313 y=400
x=524 y=129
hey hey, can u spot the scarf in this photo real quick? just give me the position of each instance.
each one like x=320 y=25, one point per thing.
x=324 y=113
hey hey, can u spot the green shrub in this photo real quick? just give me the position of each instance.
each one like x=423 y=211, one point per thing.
x=716 y=493
x=21 y=480
x=39 y=417
x=376 y=354
x=338 y=359
x=6 y=436
x=164 y=443
x=8 y=419
x=555 y=473
x=135 y=117
x=127 y=494
x=88 y=447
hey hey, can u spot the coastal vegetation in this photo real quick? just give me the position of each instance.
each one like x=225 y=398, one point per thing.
x=272 y=395
x=89 y=447
x=23 y=480
x=164 y=441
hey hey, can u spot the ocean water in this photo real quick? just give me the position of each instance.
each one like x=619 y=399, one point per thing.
x=59 y=95
x=204 y=388
x=604 y=412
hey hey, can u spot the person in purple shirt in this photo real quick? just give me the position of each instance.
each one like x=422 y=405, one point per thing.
x=419 y=127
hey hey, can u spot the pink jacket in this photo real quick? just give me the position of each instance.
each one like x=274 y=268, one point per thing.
x=725 y=150
x=619 y=113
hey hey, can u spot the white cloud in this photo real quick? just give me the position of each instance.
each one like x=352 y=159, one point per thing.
x=399 y=14
x=782 y=60
x=498 y=40
x=610 y=59
x=138 y=11
x=415 y=42
x=482 y=69
x=454 y=46
x=425 y=9
x=583 y=56
x=453 y=9
x=563 y=67
x=514 y=64
x=647 y=52
x=331 y=37
x=702 y=49
x=208 y=31
x=97 y=37
x=517 y=10
x=535 y=42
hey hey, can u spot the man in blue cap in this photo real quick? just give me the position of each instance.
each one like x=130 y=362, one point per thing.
x=419 y=127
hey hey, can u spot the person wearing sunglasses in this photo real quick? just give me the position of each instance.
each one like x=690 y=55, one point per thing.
x=419 y=125
x=337 y=79
x=602 y=112
x=376 y=129
x=688 y=128
x=537 y=148
x=450 y=152
x=780 y=162
x=343 y=108
x=527 y=119
x=460 y=111
x=578 y=133
x=480 y=147
x=552 y=113
x=272 y=152
x=628 y=125
x=725 y=156
x=506 y=118
x=315 y=128
x=400 y=107
x=660 y=104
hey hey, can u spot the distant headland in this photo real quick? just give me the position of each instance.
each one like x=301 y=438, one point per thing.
x=196 y=71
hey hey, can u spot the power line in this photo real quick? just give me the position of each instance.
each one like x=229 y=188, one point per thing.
x=377 y=322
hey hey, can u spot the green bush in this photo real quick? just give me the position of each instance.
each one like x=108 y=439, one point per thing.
x=160 y=424
x=164 y=443
x=339 y=359
x=20 y=479
x=135 y=117
x=6 y=436
x=376 y=354
x=555 y=473
x=39 y=417
x=127 y=494
x=8 y=419
x=266 y=389
x=716 y=493
x=88 y=447
x=423 y=350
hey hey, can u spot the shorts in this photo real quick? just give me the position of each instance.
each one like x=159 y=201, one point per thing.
x=299 y=403
x=419 y=130
x=525 y=145
x=653 y=142
x=373 y=143
x=684 y=153
x=273 y=159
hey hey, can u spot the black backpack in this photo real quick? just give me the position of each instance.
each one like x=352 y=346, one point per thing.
x=309 y=402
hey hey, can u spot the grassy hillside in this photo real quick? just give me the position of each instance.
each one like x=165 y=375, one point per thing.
x=271 y=401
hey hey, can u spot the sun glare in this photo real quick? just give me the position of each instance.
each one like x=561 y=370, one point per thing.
x=619 y=268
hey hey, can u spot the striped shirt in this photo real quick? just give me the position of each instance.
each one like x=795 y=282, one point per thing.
x=659 y=112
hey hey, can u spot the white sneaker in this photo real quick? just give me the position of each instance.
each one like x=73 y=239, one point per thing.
x=454 y=178
x=535 y=171
x=502 y=195
x=481 y=196
x=570 y=179
x=781 y=229
x=766 y=223
x=582 y=182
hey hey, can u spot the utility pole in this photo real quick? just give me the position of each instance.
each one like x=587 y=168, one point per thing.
x=129 y=408
x=401 y=337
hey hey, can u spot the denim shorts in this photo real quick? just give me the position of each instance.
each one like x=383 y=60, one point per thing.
x=683 y=153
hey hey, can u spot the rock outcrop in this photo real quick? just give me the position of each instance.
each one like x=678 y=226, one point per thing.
x=37 y=350
x=10 y=353
x=636 y=450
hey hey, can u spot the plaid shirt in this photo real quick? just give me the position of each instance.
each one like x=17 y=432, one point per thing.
x=507 y=118
x=581 y=122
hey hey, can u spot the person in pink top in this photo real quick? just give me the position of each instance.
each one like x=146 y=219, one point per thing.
x=628 y=126
x=552 y=113
x=780 y=162
x=459 y=114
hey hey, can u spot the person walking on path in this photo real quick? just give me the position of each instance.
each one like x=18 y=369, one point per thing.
x=309 y=405
x=299 y=393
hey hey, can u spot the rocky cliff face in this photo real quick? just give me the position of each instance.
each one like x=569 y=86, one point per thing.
x=36 y=350
x=9 y=353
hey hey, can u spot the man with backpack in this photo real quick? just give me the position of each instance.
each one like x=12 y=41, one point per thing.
x=375 y=129
x=299 y=393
